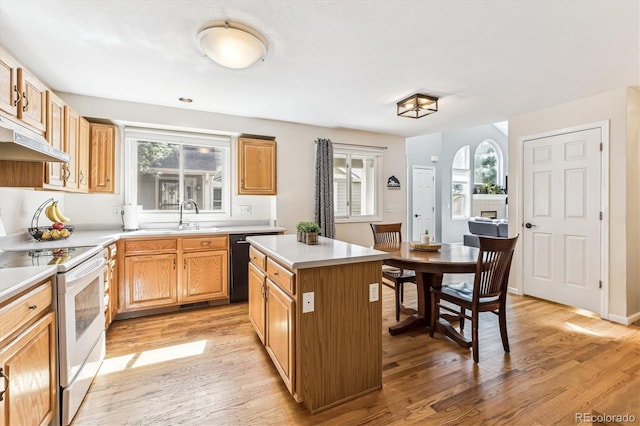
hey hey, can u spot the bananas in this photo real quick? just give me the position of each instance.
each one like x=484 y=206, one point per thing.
x=54 y=214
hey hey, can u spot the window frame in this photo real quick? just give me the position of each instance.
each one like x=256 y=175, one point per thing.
x=499 y=162
x=350 y=152
x=134 y=134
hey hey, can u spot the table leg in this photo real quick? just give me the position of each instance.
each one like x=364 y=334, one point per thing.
x=424 y=281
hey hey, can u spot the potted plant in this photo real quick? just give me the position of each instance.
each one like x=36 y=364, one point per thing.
x=308 y=232
x=424 y=238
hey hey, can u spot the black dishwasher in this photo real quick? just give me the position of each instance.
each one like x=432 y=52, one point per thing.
x=239 y=266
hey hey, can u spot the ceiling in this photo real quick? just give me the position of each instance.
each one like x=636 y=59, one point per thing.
x=335 y=63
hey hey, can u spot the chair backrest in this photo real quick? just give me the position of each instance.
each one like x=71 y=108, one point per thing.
x=386 y=232
x=492 y=269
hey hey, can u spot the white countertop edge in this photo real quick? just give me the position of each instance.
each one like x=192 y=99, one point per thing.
x=15 y=280
x=106 y=237
x=318 y=259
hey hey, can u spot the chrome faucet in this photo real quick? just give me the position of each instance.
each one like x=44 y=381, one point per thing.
x=180 y=224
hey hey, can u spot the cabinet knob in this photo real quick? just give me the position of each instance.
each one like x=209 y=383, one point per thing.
x=33 y=307
x=205 y=243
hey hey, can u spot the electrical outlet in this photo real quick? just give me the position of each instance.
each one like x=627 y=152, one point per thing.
x=308 y=304
x=244 y=210
x=117 y=211
x=374 y=292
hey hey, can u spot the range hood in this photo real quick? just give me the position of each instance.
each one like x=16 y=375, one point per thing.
x=18 y=143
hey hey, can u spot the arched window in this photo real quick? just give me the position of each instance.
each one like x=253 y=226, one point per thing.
x=460 y=184
x=487 y=164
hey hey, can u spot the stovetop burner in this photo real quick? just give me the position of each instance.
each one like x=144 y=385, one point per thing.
x=65 y=257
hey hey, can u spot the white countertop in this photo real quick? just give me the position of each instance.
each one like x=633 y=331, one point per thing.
x=296 y=255
x=105 y=237
x=14 y=280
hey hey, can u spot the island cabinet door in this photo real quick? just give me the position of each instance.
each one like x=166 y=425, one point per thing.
x=257 y=301
x=204 y=276
x=280 y=331
x=150 y=281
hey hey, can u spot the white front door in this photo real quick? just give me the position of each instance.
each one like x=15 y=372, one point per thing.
x=424 y=199
x=562 y=233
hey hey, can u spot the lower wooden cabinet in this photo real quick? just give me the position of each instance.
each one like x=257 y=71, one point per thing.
x=28 y=372
x=204 y=276
x=150 y=281
x=279 y=322
x=257 y=299
x=272 y=312
x=162 y=272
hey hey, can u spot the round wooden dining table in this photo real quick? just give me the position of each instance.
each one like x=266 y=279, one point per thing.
x=430 y=266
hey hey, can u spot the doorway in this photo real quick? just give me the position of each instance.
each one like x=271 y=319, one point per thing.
x=562 y=237
x=424 y=199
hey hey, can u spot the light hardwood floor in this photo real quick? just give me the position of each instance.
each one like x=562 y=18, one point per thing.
x=207 y=367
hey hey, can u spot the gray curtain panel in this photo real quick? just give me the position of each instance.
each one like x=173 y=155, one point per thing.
x=324 y=188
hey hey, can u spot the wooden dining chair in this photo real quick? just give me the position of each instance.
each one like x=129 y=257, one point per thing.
x=391 y=233
x=488 y=293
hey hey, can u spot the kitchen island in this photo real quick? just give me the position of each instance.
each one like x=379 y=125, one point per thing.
x=317 y=310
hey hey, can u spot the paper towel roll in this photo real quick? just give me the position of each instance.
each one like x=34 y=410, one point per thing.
x=130 y=217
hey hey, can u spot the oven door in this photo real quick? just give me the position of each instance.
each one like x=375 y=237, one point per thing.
x=80 y=314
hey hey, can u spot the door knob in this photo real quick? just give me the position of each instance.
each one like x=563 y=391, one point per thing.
x=529 y=225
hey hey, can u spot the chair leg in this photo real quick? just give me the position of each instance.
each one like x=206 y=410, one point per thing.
x=434 y=313
x=474 y=336
x=502 y=320
x=401 y=292
x=462 y=312
x=398 y=301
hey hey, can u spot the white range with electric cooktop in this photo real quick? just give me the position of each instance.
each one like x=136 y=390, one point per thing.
x=79 y=305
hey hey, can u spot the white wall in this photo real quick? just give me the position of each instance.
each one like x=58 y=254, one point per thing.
x=610 y=106
x=295 y=176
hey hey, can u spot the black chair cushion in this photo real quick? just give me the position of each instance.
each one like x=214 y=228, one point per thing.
x=464 y=291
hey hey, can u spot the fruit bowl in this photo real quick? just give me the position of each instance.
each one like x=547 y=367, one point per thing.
x=49 y=233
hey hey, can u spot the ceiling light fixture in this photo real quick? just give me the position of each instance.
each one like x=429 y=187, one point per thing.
x=232 y=45
x=418 y=105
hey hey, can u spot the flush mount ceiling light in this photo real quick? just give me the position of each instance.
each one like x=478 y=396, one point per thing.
x=232 y=45
x=418 y=105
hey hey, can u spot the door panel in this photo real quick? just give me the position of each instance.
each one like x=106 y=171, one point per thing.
x=561 y=239
x=423 y=196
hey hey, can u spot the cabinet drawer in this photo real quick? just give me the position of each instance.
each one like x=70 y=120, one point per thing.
x=145 y=246
x=257 y=258
x=24 y=309
x=205 y=243
x=281 y=276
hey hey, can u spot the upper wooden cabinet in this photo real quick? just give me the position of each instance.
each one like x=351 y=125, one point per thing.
x=84 y=134
x=32 y=108
x=22 y=96
x=55 y=134
x=256 y=167
x=9 y=93
x=102 y=158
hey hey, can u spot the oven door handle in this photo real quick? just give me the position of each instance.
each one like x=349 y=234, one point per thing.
x=92 y=266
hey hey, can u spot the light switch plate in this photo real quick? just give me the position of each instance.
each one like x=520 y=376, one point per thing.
x=308 y=304
x=374 y=292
